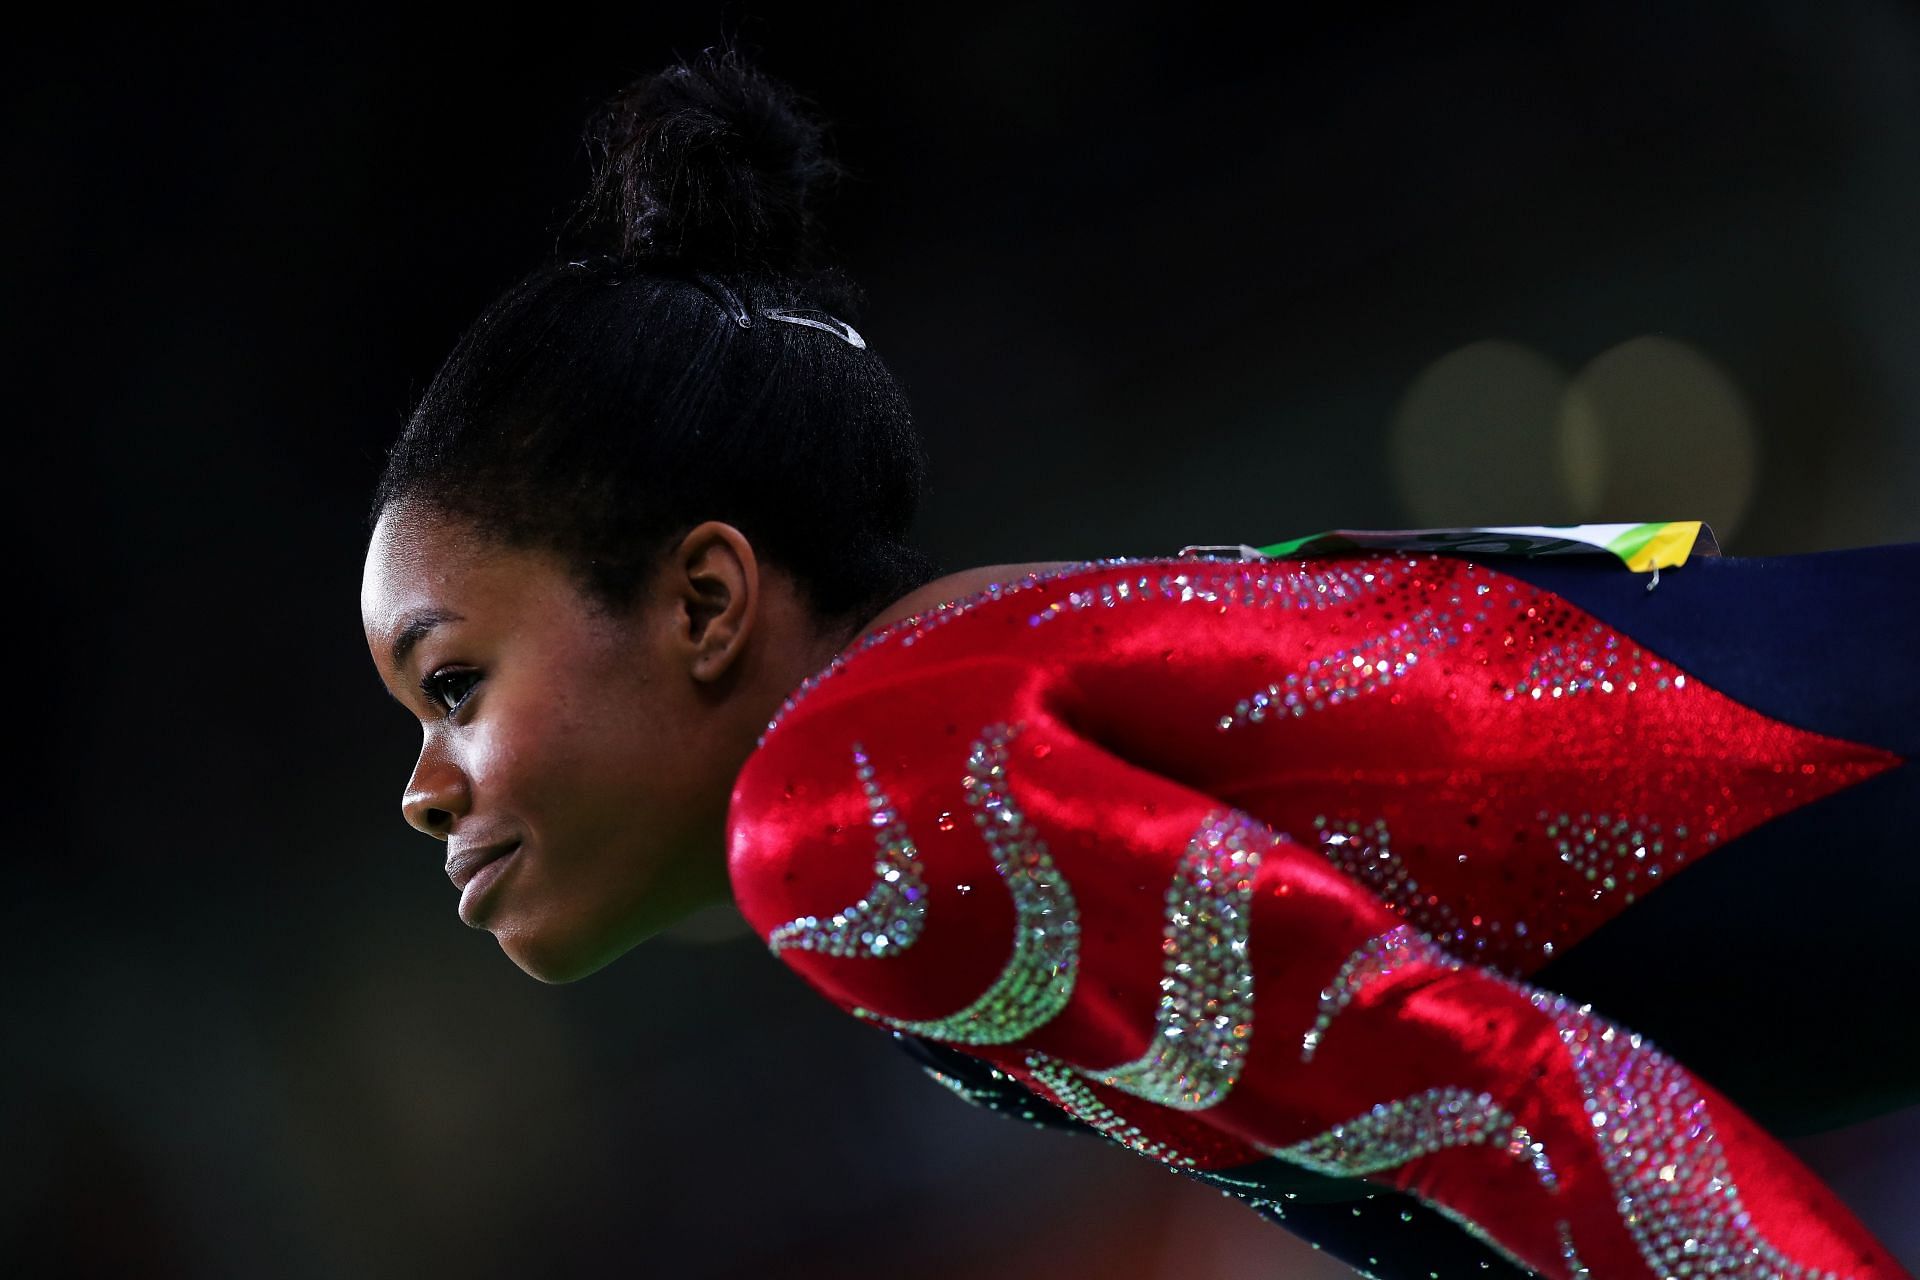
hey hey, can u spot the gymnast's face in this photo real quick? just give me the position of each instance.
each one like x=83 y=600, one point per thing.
x=594 y=755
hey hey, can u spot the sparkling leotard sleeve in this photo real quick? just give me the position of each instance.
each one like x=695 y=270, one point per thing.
x=1246 y=865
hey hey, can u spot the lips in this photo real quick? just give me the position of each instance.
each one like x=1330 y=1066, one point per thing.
x=464 y=863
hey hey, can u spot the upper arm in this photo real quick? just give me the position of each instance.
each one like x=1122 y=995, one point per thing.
x=973 y=870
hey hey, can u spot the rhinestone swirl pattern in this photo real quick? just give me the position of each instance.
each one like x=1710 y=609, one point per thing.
x=1205 y=1018
x=1073 y=1095
x=1676 y=1195
x=889 y=918
x=1374 y=959
x=1404 y=1129
x=1038 y=978
x=1346 y=673
x=1365 y=852
x=1667 y=1171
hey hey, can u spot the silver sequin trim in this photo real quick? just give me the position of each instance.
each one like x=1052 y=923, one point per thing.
x=1038 y=978
x=1205 y=1019
x=889 y=918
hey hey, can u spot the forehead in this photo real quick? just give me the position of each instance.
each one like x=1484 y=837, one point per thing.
x=413 y=555
x=421 y=563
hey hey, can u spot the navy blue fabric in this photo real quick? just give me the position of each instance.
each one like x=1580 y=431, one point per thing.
x=1377 y=1231
x=1823 y=640
x=1778 y=968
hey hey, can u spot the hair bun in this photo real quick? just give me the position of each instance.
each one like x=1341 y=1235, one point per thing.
x=709 y=164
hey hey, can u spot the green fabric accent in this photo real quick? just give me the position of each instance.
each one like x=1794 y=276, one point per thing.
x=1289 y=547
x=1628 y=544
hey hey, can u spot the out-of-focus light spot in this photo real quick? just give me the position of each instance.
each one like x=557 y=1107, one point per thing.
x=1582 y=456
x=1474 y=439
x=1655 y=429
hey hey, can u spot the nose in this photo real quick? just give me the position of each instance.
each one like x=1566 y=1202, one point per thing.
x=435 y=795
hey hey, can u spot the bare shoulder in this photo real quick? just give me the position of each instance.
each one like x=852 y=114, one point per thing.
x=956 y=586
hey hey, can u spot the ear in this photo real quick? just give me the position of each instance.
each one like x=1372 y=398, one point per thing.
x=714 y=579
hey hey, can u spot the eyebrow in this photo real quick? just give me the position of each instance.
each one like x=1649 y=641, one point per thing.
x=417 y=628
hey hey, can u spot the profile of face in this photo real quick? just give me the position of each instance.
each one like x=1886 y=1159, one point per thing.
x=576 y=765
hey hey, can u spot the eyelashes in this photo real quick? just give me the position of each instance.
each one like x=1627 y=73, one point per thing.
x=438 y=686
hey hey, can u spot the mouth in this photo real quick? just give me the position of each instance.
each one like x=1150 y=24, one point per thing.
x=465 y=864
x=477 y=877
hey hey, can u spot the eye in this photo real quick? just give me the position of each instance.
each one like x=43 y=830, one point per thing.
x=449 y=689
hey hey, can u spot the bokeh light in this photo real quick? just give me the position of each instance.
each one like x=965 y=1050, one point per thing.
x=1655 y=429
x=1473 y=439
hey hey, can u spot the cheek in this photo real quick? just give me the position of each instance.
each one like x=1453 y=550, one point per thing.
x=518 y=764
x=562 y=765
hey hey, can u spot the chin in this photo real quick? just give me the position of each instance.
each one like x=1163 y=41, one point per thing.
x=557 y=961
x=560 y=955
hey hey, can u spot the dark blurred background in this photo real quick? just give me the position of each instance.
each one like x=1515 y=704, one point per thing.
x=1153 y=276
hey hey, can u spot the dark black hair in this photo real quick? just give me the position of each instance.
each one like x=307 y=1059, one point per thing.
x=610 y=401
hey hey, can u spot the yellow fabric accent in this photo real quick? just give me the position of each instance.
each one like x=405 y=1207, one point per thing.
x=1667 y=548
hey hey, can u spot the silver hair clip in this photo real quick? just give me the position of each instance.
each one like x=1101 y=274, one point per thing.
x=726 y=298
x=819 y=320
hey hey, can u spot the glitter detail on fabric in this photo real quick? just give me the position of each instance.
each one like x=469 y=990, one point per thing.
x=1072 y=1093
x=1346 y=673
x=1405 y=1129
x=1205 y=1019
x=1260 y=587
x=1039 y=975
x=1480 y=859
x=889 y=918
x=1568 y=1254
x=1677 y=1197
x=1520 y=1143
x=1615 y=852
x=1365 y=852
x=1374 y=959
x=1592 y=662
x=907 y=630
x=1215 y=580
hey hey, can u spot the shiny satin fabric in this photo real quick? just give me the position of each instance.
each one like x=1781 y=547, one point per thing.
x=1437 y=777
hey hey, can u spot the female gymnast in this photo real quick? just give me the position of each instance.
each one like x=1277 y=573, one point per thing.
x=1463 y=915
